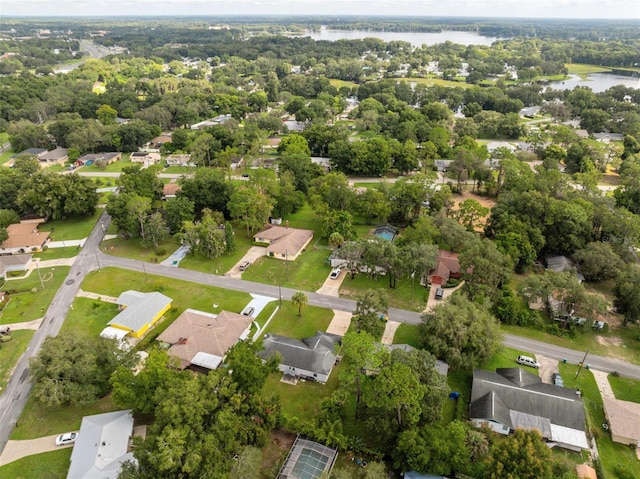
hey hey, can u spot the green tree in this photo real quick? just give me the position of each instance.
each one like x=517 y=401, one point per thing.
x=229 y=239
x=178 y=211
x=524 y=455
x=72 y=369
x=207 y=188
x=371 y=306
x=461 y=332
x=470 y=214
x=8 y=217
x=627 y=295
x=598 y=262
x=143 y=182
x=484 y=267
x=106 y=115
x=299 y=300
x=250 y=208
x=155 y=230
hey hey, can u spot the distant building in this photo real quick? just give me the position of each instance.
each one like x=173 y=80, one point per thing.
x=54 y=157
x=218 y=120
x=145 y=158
x=24 y=237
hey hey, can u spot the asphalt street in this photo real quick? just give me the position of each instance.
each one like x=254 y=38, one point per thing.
x=91 y=258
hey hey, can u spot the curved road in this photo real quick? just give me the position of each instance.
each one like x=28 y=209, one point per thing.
x=91 y=258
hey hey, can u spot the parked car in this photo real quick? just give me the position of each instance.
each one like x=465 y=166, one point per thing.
x=244 y=265
x=598 y=325
x=528 y=361
x=557 y=380
x=439 y=293
x=335 y=273
x=66 y=438
x=248 y=311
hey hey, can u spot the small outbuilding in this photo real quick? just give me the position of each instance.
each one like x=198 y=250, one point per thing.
x=139 y=311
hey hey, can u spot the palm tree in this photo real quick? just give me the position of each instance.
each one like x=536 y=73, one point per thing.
x=299 y=300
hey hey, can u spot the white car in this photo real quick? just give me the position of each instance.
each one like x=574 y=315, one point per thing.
x=335 y=273
x=66 y=438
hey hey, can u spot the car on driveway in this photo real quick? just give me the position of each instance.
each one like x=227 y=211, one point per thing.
x=528 y=361
x=248 y=311
x=66 y=438
x=335 y=273
x=244 y=265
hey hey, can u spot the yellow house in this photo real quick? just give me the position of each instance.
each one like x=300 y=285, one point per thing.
x=139 y=311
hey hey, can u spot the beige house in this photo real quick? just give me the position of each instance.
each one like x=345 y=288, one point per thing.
x=146 y=158
x=284 y=242
x=624 y=421
x=170 y=190
x=201 y=340
x=179 y=160
x=24 y=237
x=54 y=157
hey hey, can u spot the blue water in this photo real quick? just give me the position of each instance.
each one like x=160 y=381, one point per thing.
x=386 y=235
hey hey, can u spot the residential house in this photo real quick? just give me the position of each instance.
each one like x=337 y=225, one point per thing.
x=146 y=158
x=560 y=264
x=310 y=358
x=155 y=144
x=54 y=157
x=16 y=262
x=139 y=312
x=284 y=242
x=325 y=163
x=37 y=152
x=582 y=133
x=201 y=340
x=606 y=137
x=511 y=398
x=218 y=120
x=24 y=237
x=170 y=190
x=442 y=165
x=102 y=446
x=179 y=160
x=447 y=266
x=623 y=418
x=100 y=159
x=492 y=146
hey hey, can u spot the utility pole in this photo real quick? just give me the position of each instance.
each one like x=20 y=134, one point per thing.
x=581 y=364
x=413 y=275
x=99 y=268
x=39 y=275
x=286 y=265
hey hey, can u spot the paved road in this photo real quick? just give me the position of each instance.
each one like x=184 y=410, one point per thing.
x=17 y=391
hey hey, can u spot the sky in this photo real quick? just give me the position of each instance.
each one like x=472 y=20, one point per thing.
x=623 y=9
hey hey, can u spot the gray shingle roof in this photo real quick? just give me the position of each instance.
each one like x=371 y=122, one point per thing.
x=523 y=392
x=311 y=354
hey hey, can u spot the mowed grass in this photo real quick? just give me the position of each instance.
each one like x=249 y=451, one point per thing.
x=583 y=69
x=71 y=229
x=401 y=296
x=625 y=389
x=286 y=322
x=506 y=358
x=31 y=301
x=304 y=399
x=114 y=167
x=408 y=334
x=89 y=317
x=307 y=273
x=133 y=249
x=613 y=457
x=11 y=351
x=58 y=253
x=47 y=465
x=223 y=263
x=38 y=420
x=437 y=81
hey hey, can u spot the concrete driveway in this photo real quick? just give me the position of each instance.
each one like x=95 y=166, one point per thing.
x=15 y=450
x=331 y=287
x=432 y=301
x=252 y=255
x=548 y=366
x=389 y=332
x=340 y=322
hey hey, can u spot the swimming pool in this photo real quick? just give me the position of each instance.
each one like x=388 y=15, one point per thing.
x=307 y=460
x=385 y=235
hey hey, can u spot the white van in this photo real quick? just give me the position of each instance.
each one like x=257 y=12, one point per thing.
x=528 y=361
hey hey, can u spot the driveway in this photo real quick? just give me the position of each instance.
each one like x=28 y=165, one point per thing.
x=432 y=301
x=548 y=366
x=389 y=332
x=340 y=322
x=331 y=287
x=252 y=255
x=15 y=450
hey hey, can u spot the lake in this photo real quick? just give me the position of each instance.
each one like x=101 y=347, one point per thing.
x=598 y=82
x=417 y=39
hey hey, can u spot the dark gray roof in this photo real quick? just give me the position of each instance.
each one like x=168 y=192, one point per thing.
x=523 y=392
x=311 y=354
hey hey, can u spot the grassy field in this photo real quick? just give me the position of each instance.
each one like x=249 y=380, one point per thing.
x=11 y=351
x=112 y=168
x=38 y=420
x=71 y=229
x=399 y=297
x=582 y=70
x=407 y=334
x=307 y=273
x=182 y=170
x=437 y=81
x=614 y=457
x=506 y=358
x=131 y=248
x=89 y=316
x=47 y=465
x=625 y=389
x=57 y=253
x=30 y=300
x=340 y=83
x=286 y=322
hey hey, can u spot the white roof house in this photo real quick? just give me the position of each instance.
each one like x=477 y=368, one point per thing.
x=102 y=446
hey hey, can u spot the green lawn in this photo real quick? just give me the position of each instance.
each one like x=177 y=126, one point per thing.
x=103 y=182
x=401 y=296
x=47 y=465
x=286 y=322
x=11 y=351
x=340 y=83
x=306 y=219
x=71 y=229
x=182 y=170
x=408 y=334
x=57 y=253
x=89 y=316
x=302 y=400
x=614 y=457
x=225 y=262
x=29 y=300
x=506 y=358
x=131 y=248
x=112 y=168
x=625 y=389
x=437 y=81
x=307 y=273
x=583 y=70
x=38 y=420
